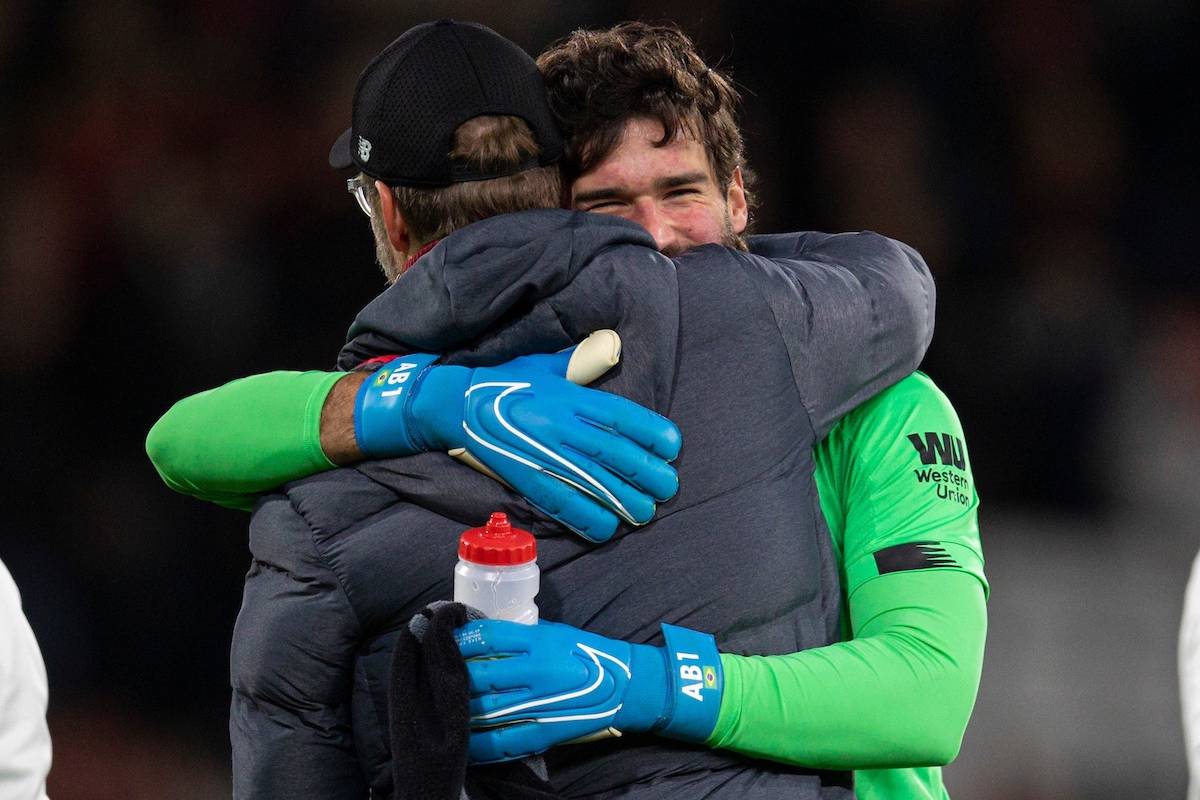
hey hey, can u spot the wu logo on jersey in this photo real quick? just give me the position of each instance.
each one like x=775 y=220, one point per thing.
x=942 y=447
x=364 y=149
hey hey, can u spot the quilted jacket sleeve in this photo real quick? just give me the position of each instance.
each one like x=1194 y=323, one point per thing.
x=856 y=311
x=291 y=669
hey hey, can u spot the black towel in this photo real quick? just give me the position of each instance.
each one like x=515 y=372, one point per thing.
x=429 y=715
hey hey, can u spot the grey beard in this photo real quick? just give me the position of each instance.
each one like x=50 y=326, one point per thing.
x=384 y=254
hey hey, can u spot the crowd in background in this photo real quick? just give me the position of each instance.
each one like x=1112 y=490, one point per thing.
x=168 y=222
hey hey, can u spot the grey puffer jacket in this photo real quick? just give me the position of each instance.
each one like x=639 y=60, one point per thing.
x=754 y=356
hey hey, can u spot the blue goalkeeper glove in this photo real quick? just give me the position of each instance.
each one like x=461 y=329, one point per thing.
x=581 y=456
x=536 y=686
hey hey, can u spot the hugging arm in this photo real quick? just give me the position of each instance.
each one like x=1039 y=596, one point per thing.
x=582 y=457
x=900 y=692
x=855 y=309
x=230 y=444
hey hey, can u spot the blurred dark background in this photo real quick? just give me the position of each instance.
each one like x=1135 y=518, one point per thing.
x=168 y=223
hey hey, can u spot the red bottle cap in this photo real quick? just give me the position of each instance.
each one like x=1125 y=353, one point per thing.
x=497 y=544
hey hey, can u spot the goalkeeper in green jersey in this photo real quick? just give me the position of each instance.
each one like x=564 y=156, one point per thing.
x=896 y=489
x=891 y=701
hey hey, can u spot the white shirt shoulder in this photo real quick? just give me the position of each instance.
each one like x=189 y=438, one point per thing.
x=24 y=737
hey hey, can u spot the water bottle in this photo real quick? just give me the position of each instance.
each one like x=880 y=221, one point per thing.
x=497 y=571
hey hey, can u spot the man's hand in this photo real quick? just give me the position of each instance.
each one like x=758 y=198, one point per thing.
x=584 y=457
x=536 y=686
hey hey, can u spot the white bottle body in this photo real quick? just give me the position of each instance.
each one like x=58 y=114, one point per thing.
x=500 y=592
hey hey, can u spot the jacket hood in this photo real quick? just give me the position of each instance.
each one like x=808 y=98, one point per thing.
x=475 y=296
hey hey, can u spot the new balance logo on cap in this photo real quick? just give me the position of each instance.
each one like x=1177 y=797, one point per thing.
x=452 y=72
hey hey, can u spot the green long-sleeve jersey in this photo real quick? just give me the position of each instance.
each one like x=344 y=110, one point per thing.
x=891 y=702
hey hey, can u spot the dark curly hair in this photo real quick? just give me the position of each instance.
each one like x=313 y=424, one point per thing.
x=597 y=80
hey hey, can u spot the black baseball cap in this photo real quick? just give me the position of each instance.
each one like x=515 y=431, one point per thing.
x=411 y=97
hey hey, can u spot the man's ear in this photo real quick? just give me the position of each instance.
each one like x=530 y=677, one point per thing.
x=735 y=201
x=392 y=219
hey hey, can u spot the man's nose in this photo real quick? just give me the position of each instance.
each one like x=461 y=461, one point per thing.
x=647 y=214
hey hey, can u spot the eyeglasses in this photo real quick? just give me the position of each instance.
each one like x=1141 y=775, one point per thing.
x=357 y=186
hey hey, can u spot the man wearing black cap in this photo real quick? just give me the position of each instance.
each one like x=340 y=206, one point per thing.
x=410 y=103
x=450 y=126
x=739 y=348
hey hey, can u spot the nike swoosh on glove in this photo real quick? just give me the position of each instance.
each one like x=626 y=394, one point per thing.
x=536 y=686
x=584 y=457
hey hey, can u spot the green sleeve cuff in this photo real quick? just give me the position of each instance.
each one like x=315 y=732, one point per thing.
x=312 y=421
x=230 y=444
x=729 y=718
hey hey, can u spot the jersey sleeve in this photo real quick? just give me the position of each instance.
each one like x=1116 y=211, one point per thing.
x=230 y=444
x=899 y=694
x=897 y=488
